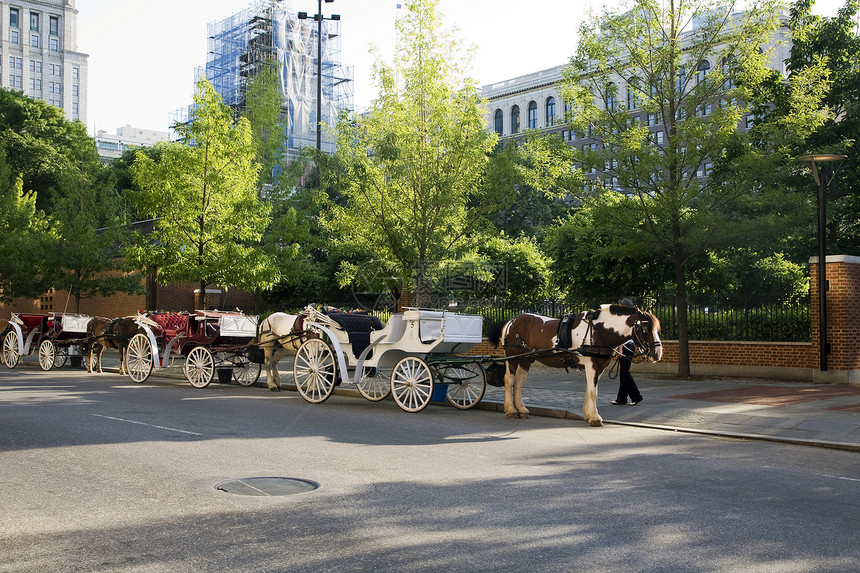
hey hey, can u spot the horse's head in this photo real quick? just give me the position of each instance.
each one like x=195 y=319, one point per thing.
x=646 y=335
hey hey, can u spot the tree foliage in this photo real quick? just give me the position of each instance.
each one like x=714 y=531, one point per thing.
x=24 y=238
x=90 y=227
x=663 y=100
x=411 y=168
x=202 y=191
x=42 y=147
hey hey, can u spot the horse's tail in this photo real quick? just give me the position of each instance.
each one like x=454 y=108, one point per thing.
x=494 y=333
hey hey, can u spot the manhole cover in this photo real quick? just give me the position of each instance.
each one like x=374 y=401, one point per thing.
x=267 y=486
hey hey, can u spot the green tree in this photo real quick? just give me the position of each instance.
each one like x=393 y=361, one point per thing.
x=264 y=110
x=90 y=226
x=411 y=168
x=833 y=43
x=42 y=147
x=202 y=192
x=663 y=102
x=24 y=238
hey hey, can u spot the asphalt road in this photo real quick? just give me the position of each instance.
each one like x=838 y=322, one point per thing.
x=100 y=474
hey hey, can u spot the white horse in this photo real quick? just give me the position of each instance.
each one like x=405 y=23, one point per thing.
x=278 y=336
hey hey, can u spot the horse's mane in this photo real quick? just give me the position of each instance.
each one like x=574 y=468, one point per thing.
x=494 y=333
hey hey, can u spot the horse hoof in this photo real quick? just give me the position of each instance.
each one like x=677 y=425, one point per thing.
x=512 y=415
x=596 y=423
x=275 y=388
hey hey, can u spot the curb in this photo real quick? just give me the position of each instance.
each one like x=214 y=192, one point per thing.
x=561 y=413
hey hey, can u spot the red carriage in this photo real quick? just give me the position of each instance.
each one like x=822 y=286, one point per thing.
x=208 y=341
x=55 y=336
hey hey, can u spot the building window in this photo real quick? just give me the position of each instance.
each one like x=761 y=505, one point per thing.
x=14 y=14
x=34 y=40
x=611 y=97
x=75 y=110
x=16 y=82
x=632 y=94
x=55 y=44
x=702 y=71
x=499 y=122
x=14 y=37
x=34 y=21
x=76 y=72
x=36 y=66
x=54 y=26
x=682 y=80
x=36 y=84
x=550 y=111
x=532 y=115
x=16 y=63
x=75 y=90
x=55 y=69
x=515 y=119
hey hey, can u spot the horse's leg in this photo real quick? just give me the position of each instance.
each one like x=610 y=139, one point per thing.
x=122 y=367
x=273 y=380
x=515 y=375
x=99 y=353
x=519 y=379
x=589 y=407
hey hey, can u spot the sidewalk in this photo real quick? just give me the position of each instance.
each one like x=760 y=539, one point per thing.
x=826 y=415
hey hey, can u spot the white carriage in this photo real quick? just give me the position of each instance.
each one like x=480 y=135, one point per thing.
x=56 y=335
x=406 y=357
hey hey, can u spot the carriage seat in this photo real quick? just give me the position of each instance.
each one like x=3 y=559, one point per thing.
x=358 y=328
x=392 y=331
x=31 y=321
x=171 y=324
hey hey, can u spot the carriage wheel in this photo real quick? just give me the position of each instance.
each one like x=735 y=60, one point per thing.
x=315 y=370
x=47 y=354
x=10 y=349
x=245 y=372
x=138 y=358
x=199 y=367
x=466 y=385
x=375 y=383
x=61 y=357
x=412 y=384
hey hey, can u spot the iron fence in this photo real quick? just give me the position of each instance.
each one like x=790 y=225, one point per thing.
x=733 y=318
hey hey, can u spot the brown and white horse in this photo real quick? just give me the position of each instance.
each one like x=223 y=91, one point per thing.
x=594 y=336
x=278 y=336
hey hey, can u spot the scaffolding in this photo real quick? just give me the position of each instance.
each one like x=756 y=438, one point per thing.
x=269 y=32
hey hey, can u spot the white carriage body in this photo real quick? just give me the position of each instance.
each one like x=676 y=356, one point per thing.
x=238 y=325
x=414 y=332
x=75 y=323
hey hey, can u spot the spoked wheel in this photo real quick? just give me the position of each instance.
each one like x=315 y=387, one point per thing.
x=10 y=349
x=245 y=372
x=138 y=358
x=60 y=357
x=412 y=384
x=199 y=367
x=315 y=370
x=375 y=383
x=47 y=353
x=466 y=385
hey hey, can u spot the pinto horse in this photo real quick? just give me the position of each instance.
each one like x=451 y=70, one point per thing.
x=109 y=333
x=278 y=336
x=593 y=338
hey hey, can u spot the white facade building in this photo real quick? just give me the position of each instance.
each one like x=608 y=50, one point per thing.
x=39 y=54
x=534 y=101
x=111 y=146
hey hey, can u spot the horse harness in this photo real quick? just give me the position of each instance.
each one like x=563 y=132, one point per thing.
x=564 y=342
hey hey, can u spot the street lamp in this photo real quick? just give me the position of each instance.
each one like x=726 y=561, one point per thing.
x=823 y=178
x=319 y=19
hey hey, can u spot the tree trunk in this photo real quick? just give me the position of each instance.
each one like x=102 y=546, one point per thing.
x=201 y=298
x=683 y=334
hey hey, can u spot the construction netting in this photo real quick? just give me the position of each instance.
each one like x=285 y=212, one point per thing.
x=270 y=30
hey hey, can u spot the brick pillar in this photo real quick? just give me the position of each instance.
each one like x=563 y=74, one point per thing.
x=843 y=318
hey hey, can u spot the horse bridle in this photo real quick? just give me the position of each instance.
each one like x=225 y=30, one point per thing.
x=640 y=340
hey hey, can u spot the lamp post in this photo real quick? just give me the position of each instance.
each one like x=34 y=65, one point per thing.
x=823 y=181
x=319 y=19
